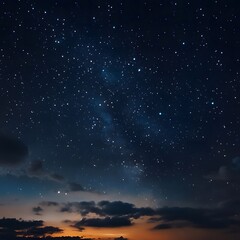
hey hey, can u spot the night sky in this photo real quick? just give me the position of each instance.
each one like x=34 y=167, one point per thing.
x=120 y=119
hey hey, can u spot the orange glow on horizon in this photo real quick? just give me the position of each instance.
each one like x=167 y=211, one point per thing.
x=142 y=230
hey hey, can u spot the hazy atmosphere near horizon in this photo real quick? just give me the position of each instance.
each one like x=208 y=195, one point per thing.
x=120 y=119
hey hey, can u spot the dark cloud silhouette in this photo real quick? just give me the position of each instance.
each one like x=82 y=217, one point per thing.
x=66 y=209
x=49 y=203
x=119 y=208
x=12 y=151
x=37 y=170
x=15 y=224
x=43 y=231
x=218 y=218
x=56 y=177
x=9 y=237
x=230 y=172
x=120 y=238
x=154 y=219
x=75 y=187
x=12 y=227
x=178 y=213
x=37 y=210
x=82 y=207
x=73 y=224
x=88 y=207
x=108 y=222
x=162 y=226
x=231 y=205
x=116 y=208
x=224 y=173
x=221 y=217
x=107 y=208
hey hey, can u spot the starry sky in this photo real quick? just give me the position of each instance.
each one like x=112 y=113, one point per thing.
x=120 y=119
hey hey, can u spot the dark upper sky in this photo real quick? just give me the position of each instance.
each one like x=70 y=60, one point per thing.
x=132 y=99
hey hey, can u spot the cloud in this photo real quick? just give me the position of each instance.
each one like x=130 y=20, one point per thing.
x=111 y=213
x=43 y=231
x=49 y=203
x=66 y=209
x=15 y=224
x=108 y=222
x=119 y=208
x=224 y=173
x=107 y=208
x=231 y=205
x=120 y=238
x=162 y=226
x=76 y=187
x=12 y=151
x=12 y=227
x=37 y=210
x=82 y=207
x=56 y=177
x=217 y=218
x=116 y=214
x=74 y=225
x=88 y=207
x=37 y=170
x=116 y=208
x=227 y=172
